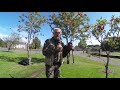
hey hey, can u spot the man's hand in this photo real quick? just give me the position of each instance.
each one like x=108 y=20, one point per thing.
x=59 y=47
x=51 y=48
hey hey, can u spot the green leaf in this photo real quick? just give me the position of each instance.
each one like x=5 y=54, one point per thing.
x=36 y=19
x=36 y=13
x=109 y=34
x=36 y=26
x=105 y=20
x=101 y=22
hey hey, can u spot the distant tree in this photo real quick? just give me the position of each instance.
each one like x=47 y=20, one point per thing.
x=36 y=44
x=76 y=48
x=82 y=44
x=105 y=44
x=2 y=43
x=11 y=40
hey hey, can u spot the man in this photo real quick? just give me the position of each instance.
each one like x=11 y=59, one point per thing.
x=54 y=50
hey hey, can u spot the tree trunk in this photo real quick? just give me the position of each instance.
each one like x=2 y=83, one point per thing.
x=83 y=51
x=9 y=46
x=28 y=49
x=100 y=51
x=68 y=56
x=106 y=66
x=8 y=49
x=72 y=56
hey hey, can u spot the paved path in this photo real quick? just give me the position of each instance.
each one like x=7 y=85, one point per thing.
x=95 y=58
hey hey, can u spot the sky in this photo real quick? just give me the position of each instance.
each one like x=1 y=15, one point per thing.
x=9 y=23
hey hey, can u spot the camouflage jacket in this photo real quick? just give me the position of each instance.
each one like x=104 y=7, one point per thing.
x=52 y=55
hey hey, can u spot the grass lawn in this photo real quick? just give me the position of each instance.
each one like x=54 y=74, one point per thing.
x=82 y=68
x=9 y=65
x=85 y=68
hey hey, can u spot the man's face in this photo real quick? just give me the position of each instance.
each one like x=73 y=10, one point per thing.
x=57 y=34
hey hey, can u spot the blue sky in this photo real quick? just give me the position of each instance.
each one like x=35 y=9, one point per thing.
x=10 y=20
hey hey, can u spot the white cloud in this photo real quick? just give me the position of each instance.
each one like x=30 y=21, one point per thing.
x=42 y=42
x=92 y=42
x=24 y=40
x=4 y=33
x=2 y=36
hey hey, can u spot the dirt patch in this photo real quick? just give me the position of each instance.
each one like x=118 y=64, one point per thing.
x=104 y=71
x=34 y=75
x=37 y=74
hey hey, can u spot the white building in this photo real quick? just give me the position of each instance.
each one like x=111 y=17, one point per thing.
x=21 y=45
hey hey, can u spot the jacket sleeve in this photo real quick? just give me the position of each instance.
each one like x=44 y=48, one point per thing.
x=48 y=49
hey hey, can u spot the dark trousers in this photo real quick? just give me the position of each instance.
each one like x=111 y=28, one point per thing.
x=53 y=71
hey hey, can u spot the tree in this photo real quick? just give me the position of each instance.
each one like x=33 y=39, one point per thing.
x=31 y=24
x=105 y=44
x=69 y=23
x=2 y=43
x=77 y=48
x=11 y=40
x=82 y=44
x=102 y=35
x=36 y=44
x=83 y=33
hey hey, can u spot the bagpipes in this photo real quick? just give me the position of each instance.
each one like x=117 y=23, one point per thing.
x=66 y=50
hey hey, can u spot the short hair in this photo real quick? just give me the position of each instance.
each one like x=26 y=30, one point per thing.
x=57 y=29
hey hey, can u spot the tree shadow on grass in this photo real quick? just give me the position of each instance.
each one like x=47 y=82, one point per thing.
x=7 y=59
x=96 y=54
x=7 y=51
x=18 y=59
x=38 y=60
